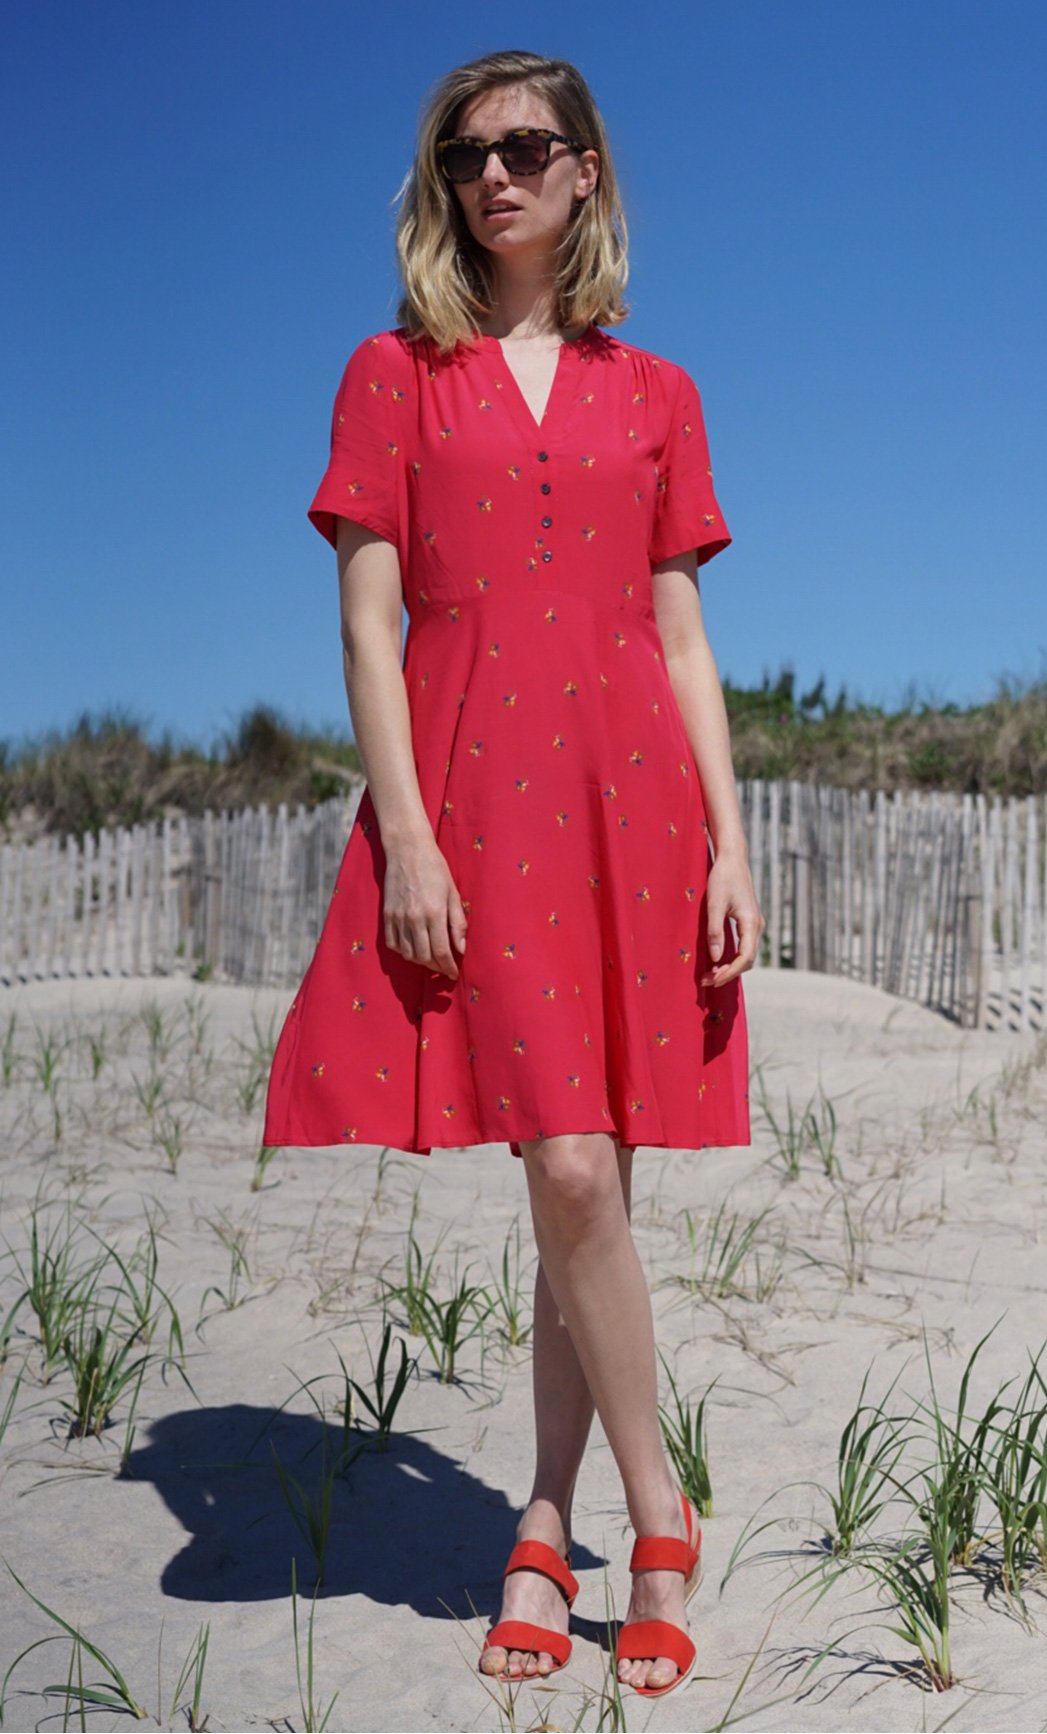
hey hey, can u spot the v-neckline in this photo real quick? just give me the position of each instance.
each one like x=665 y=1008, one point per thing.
x=522 y=407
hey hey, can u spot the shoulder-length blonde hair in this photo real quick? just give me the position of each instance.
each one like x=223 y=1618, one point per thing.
x=448 y=279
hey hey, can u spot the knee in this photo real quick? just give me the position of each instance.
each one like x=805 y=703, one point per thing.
x=574 y=1177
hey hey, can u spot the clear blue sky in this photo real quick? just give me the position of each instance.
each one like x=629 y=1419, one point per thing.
x=836 y=225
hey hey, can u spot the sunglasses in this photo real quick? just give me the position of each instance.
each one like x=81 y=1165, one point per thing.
x=524 y=151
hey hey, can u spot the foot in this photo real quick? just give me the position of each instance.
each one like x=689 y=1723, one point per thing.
x=530 y=1595
x=658 y=1595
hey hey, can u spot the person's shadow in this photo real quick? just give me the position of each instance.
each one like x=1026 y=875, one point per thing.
x=408 y=1524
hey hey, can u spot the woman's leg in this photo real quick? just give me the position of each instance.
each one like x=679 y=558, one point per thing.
x=584 y=1239
x=563 y=1413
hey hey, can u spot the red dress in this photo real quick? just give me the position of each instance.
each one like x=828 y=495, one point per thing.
x=553 y=764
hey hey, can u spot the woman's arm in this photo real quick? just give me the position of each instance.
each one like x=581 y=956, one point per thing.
x=423 y=911
x=695 y=681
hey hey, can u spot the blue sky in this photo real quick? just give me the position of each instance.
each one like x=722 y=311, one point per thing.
x=833 y=217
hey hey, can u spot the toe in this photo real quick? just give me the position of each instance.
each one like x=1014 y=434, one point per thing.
x=492 y=1661
x=662 y=1672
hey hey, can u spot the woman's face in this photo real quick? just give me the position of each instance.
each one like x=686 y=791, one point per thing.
x=540 y=204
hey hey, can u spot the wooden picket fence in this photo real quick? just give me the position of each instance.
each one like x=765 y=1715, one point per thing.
x=937 y=897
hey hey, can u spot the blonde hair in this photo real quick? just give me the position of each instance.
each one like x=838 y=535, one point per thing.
x=448 y=278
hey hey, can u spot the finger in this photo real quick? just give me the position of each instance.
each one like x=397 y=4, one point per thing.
x=439 y=942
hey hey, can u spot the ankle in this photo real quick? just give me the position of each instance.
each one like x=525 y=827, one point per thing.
x=544 y=1520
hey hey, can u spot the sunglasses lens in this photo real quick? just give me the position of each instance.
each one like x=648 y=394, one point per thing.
x=463 y=162
x=524 y=156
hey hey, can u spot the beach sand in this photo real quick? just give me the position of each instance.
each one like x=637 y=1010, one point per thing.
x=926 y=1234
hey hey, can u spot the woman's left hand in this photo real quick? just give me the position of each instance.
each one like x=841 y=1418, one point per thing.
x=730 y=891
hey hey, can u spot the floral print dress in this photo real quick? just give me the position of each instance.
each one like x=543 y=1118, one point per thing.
x=553 y=764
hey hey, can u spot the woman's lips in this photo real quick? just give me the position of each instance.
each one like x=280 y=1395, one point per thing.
x=505 y=211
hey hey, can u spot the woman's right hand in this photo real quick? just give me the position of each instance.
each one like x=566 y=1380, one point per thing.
x=423 y=912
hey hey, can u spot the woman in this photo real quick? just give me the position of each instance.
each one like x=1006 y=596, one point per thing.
x=543 y=775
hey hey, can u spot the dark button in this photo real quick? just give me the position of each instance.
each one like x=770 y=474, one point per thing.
x=542 y=457
x=547 y=487
x=548 y=554
x=545 y=523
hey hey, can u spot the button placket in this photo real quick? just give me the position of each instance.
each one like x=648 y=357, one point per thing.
x=546 y=488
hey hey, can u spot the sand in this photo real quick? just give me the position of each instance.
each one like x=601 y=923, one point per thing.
x=940 y=1150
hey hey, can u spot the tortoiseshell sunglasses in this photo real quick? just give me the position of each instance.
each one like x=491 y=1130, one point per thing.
x=524 y=151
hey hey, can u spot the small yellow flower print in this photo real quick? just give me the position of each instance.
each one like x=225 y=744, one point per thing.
x=392 y=448
x=514 y=472
x=661 y=1038
x=358 y=1003
x=641 y=978
x=358 y=945
x=603 y=680
x=484 y=505
x=562 y=818
x=587 y=1039
x=509 y=698
x=476 y=748
x=636 y=757
x=715 y=1017
x=690 y=893
x=671 y=829
x=483 y=583
x=474 y=994
x=550 y=616
x=448 y=1110
x=354 y=488
x=376 y=386
x=485 y=403
x=633 y=435
x=423 y=596
x=594 y=882
x=685 y=955
x=350 y=1132
x=523 y=867
x=425 y=1041
x=662 y=483
x=573 y=1080
x=446 y=432
x=504 y=1102
x=587 y=462
x=494 y=649
x=478 y=841
x=447 y=809
x=588 y=531
x=708 y=518
x=398 y=394
x=702 y=1087
x=627 y=589
x=429 y=537
x=319 y=1068
x=571 y=689
x=636 y=1106
x=416 y=468
x=382 y=1074
x=454 y=612
x=611 y=793
x=549 y=992
x=430 y=372
x=520 y=785
x=587 y=398
x=559 y=743
x=553 y=919
x=623 y=820
x=509 y=950
x=519 y=1046
x=684 y=770
x=638 y=397
x=643 y=894
x=655 y=706
x=686 y=430
x=620 y=640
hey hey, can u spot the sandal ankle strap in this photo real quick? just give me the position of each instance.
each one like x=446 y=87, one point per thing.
x=539 y=1556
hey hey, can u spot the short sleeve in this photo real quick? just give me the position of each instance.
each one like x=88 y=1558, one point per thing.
x=686 y=512
x=363 y=476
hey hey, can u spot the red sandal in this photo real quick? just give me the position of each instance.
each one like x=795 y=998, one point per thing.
x=640 y=1639
x=521 y=1634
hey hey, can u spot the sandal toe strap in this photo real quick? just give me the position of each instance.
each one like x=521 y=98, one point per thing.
x=522 y=1635
x=539 y=1556
x=646 y=1639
